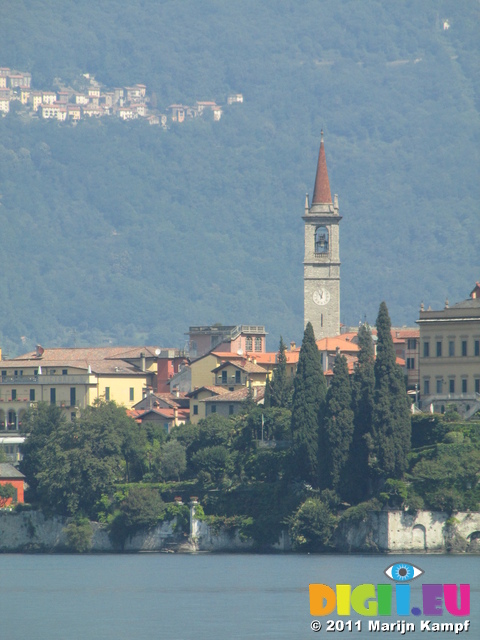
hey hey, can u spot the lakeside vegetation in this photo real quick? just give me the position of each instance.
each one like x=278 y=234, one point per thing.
x=308 y=460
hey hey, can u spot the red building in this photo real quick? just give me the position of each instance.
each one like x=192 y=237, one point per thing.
x=10 y=475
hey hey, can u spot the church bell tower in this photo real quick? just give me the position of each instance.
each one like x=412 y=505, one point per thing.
x=322 y=256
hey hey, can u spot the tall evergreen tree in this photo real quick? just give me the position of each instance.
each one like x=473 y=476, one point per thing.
x=281 y=386
x=337 y=425
x=391 y=414
x=357 y=480
x=267 y=397
x=308 y=401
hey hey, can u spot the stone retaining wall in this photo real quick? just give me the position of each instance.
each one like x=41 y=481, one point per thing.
x=384 y=531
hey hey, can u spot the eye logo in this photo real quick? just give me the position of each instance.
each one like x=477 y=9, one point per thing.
x=372 y=600
x=403 y=572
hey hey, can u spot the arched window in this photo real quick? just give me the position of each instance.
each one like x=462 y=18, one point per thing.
x=321 y=240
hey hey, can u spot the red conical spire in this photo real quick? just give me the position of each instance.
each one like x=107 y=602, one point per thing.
x=321 y=191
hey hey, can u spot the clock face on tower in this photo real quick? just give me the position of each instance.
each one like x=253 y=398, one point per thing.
x=321 y=296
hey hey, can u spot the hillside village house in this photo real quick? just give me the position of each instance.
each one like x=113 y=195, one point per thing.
x=219 y=373
x=450 y=356
x=126 y=103
x=168 y=409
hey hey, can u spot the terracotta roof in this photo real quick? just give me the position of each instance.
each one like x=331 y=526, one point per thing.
x=349 y=335
x=321 y=191
x=227 y=355
x=405 y=333
x=271 y=357
x=238 y=396
x=331 y=344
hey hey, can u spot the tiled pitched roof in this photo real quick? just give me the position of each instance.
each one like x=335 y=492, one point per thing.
x=227 y=355
x=239 y=395
x=135 y=352
x=99 y=359
x=331 y=344
x=244 y=365
x=9 y=472
x=271 y=357
x=217 y=390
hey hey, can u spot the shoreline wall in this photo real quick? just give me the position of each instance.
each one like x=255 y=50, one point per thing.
x=399 y=531
x=384 y=532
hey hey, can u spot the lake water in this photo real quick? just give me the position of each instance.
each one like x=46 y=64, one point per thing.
x=201 y=597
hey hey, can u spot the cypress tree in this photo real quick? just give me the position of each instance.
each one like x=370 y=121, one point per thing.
x=281 y=385
x=307 y=404
x=357 y=481
x=267 y=398
x=391 y=414
x=337 y=425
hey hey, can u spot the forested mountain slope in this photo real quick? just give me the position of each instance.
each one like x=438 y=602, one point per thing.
x=121 y=232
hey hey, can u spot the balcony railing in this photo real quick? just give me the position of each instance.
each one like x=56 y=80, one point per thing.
x=48 y=379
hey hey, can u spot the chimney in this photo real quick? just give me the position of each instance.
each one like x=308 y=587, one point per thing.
x=144 y=365
x=292 y=346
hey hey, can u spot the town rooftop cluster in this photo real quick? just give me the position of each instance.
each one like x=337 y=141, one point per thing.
x=95 y=100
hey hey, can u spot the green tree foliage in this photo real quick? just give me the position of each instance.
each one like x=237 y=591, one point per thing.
x=211 y=464
x=79 y=535
x=396 y=76
x=391 y=414
x=209 y=432
x=281 y=387
x=337 y=426
x=141 y=508
x=42 y=423
x=267 y=395
x=307 y=405
x=312 y=527
x=70 y=465
x=173 y=460
x=267 y=424
x=7 y=492
x=357 y=481
x=446 y=476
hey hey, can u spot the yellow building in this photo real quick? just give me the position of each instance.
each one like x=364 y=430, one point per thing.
x=220 y=374
x=73 y=379
x=450 y=356
x=197 y=400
